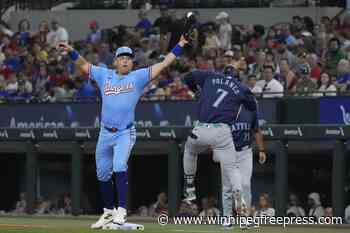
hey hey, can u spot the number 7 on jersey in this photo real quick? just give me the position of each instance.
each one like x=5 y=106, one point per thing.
x=222 y=94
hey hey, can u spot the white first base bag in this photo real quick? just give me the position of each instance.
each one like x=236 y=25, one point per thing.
x=126 y=227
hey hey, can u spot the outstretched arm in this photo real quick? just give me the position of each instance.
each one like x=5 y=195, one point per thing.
x=156 y=69
x=259 y=139
x=80 y=62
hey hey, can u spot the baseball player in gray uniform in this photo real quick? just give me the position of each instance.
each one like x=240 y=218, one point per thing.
x=244 y=129
x=221 y=96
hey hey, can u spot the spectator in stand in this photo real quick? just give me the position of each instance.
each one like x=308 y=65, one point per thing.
x=64 y=205
x=144 y=25
x=344 y=29
x=21 y=205
x=256 y=68
x=162 y=25
x=161 y=205
x=12 y=62
x=41 y=82
x=290 y=40
x=287 y=77
x=251 y=83
x=43 y=207
x=343 y=75
x=44 y=30
x=347 y=215
x=208 y=207
x=185 y=210
x=86 y=91
x=95 y=60
x=225 y=30
x=194 y=209
x=294 y=208
x=179 y=91
x=64 y=92
x=283 y=52
x=142 y=55
x=23 y=35
x=264 y=208
x=212 y=41
x=305 y=85
x=325 y=86
x=316 y=210
x=143 y=211
x=270 y=61
x=12 y=84
x=328 y=212
x=105 y=55
x=237 y=56
x=312 y=60
x=335 y=25
x=271 y=88
x=333 y=56
x=95 y=35
x=57 y=35
x=25 y=87
x=297 y=23
x=228 y=57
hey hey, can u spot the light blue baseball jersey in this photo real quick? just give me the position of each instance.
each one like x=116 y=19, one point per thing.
x=120 y=94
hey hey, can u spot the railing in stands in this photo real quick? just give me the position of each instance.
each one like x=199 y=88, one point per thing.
x=30 y=4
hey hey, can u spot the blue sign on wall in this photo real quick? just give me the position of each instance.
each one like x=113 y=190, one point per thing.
x=87 y=114
x=335 y=110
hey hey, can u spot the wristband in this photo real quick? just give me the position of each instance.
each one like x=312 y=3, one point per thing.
x=177 y=50
x=74 y=55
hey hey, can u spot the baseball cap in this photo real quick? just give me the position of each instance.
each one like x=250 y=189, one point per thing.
x=221 y=15
x=281 y=39
x=228 y=53
x=93 y=23
x=237 y=47
x=304 y=69
x=124 y=51
x=229 y=70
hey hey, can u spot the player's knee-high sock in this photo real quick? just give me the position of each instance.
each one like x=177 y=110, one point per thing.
x=190 y=168
x=107 y=192
x=122 y=186
x=247 y=195
x=190 y=164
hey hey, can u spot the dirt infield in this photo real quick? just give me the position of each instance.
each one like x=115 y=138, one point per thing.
x=22 y=226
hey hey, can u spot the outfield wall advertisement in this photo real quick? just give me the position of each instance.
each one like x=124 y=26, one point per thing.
x=71 y=115
x=335 y=110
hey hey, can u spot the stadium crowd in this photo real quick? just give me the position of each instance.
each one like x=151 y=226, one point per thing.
x=302 y=57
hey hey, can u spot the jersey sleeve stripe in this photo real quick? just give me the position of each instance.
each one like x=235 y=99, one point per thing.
x=149 y=73
x=89 y=72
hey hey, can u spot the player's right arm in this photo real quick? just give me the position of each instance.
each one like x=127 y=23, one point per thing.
x=249 y=101
x=196 y=79
x=79 y=61
x=94 y=72
x=259 y=138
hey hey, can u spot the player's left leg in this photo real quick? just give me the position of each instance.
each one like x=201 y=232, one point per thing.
x=124 y=143
x=104 y=170
x=227 y=200
x=225 y=150
x=245 y=159
x=195 y=144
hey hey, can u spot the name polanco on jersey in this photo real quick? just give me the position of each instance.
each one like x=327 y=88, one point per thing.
x=227 y=81
x=241 y=126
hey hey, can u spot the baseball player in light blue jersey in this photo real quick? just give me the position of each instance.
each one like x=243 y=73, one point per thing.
x=121 y=89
